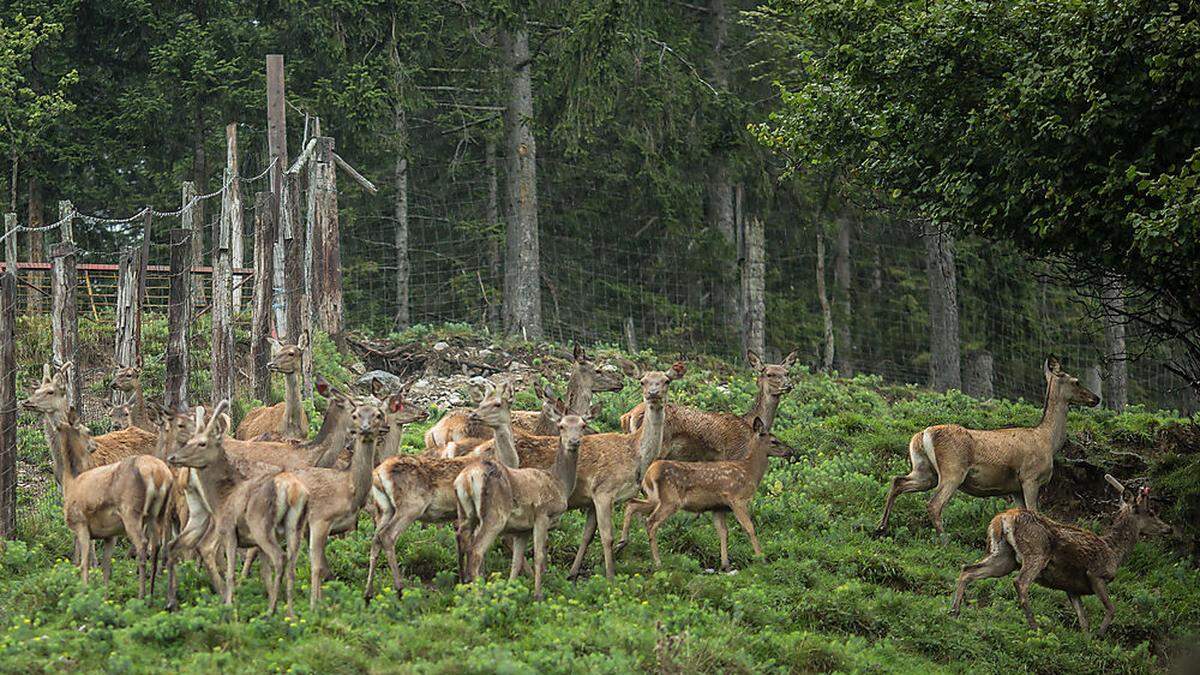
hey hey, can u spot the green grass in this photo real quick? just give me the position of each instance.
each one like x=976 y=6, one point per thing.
x=826 y=597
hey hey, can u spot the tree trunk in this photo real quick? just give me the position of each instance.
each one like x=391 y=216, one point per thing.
x=754 y=273
x=844 y=349
x=400 y=209
x=200 y=185
x=1115 y=356
x=823 y=297
x=493 y=224
x=260 y=316
x=175 y=384
x=944 y=367
x=1094 y=380
x=977 y=375
x=721 y=216
x=522 y=293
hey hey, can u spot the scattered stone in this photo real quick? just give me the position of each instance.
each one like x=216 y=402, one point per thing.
x=391 y=383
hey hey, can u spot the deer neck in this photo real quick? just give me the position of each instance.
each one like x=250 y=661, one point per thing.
x=292 y=422
x=325 y=448
x=72 y=461
x=650 y=443
x=1054 y=420
x=217 y=479
x=392 y=440
x=757 y=462
x=579 y=395
x=138 y=416
x=1122 y=537
x=564 y=469
x=765 y=405
x=360 y=468
x=506 y=444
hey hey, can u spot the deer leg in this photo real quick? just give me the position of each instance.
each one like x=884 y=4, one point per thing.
x=921 y=478
x=998 y=563
x=1031 y=567
x=386 y=537
x=229 y=539
x=633 y=506
x=489 y=529
x=742 y=513
x=945 y=490
x=1077 y=603
x=718 y=518
x=1100 y=588
x=263 y=534
x=83 y=544
x=318 y=533
x=1029 y=490
x=604 y=509
x=106 y=555
x=541 y=529
x=589 y=531
x=139 y=548
x=518 y=556
x=251 y=553
x=296 y=521
x=656 y=519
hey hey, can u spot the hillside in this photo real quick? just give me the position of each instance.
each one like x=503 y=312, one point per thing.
x=827 y=596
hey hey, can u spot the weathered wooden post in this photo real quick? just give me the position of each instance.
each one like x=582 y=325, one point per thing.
x=298 y=318
x=143 y=276
x=326 y=246
x=260 y=315
x=8 y=391
x=236 y=223
x=189 y=221
x=754 y=279
x=127 y=309
x=175 y=385
x=64 y=320
x=277 y=148
x=222 y=280
x=630 y=336
x=10 y=243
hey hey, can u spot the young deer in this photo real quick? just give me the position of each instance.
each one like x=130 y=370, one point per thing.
x=717 y=487
x=130 y=498
x=586 y=380
x=495 y=499
x=1015 y=461
x=129 y=382
x=288 y=418
x=232 y=503
x=120 y=416
x=1061 y=556
x=697 y=435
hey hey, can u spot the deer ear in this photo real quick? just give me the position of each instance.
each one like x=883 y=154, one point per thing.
x=63 y=370
x=156 y=413
x=630 y=368
x=223 y=424
x=755 y=362
x=579 y=354
x=677 y=370
x=1052 y=365
x=758 y=426
x=276 y=345
x=322 y=386
x=791 y=358
x=46 y=375
x=396 y=403
x=506 y=392
x=377 y=388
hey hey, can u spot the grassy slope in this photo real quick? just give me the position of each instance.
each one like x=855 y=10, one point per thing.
x=827 y=596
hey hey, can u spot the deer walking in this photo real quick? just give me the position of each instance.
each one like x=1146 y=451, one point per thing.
x=1015 y=461
x=288 y=418
x=717 y=487
x=1063 y=557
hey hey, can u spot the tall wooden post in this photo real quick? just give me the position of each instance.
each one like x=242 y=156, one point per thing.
x=178 y=317
x=143 y=275
x=236 y=222
x=127 y=310
x=260 y=315
x=222 y=293
x=189 y=220
x=754 y=275
x=64 y=320
x=326 y=246
x=277 y=148
x=299 y=319
x=8 y=394
x=10 y=244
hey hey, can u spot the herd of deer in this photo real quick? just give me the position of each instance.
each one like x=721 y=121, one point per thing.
x=176 y=484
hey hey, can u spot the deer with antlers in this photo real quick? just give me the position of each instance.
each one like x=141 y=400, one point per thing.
x=288 y=418
x=697 y=435
x=128 y=381
x=233 y=503
x=717 y=487
x=1015 y=461
x=496 y=499
x=129 y=498
x=1063 y=557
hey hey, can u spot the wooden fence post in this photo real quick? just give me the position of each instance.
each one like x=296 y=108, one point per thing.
x=143 y=263
x=299 y=319
x=189 y=221
x=127 y=309
x=326 y=245
x=8 y=397
x=277 y=148
x=10 y=243
x=236 y=226
x=64 y=319
x=178 y=317
x=260 y=313
x=222 y=280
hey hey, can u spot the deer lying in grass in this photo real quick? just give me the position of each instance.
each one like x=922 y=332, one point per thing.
x=50 y=399
x=129 y=382
x=586 y=380
x=288 y=418
x=234 y=503
x=1061 y=556
x=717 y=487
x=495 y=499
x=1015 y=461
x=129 y=498
x=697 y=435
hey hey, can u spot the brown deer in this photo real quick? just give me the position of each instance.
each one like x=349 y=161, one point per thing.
x=120 y=416
x=288 y=418
x=1015 y=461
x=233 y=502
x=495 y=499
x=717 y=487
x=1061 y=556
x=128 y=381
x=129 y=498
x=586 y=379
x=697 y=435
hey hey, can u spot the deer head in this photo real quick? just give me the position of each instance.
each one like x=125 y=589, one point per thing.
x=398 y=411
x=121 y=417
x=366 y=418
x=773 y=378
x=1140 y=508
x=655 y=383
x=592 y=377
x=288 y=359
x=765 y=440
x=205 y=445
x=493 y=410
x=1064 y=387
x=50 y=397
x=127 y=379
x=571 y=429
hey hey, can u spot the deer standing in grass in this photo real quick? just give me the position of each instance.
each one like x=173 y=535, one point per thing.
x=718 y=487
x=495 y=499
x=233 y=502
x=1060 y=556
x=130 y=498
x=1015 y=461
x=586 y=380
x=698 y=435
x=128 y=381
x=288 y=418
